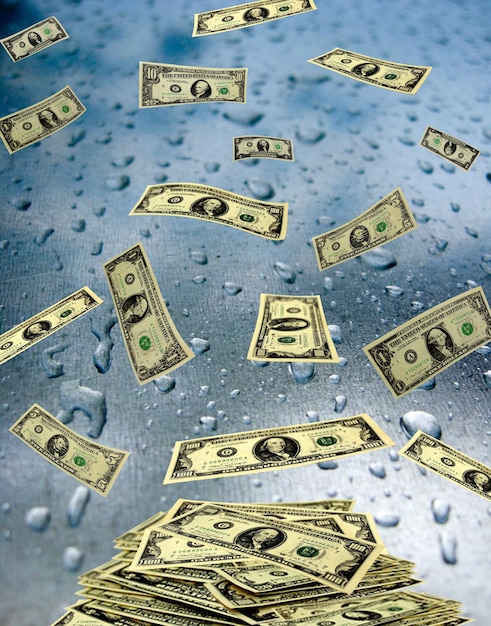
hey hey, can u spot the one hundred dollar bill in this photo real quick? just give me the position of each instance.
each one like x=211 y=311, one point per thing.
x=33 y=39
x=454 y=150
x=292 y=328
x=386 y=220
x=166 y=85
x=386 y=74
x=248 y=14
x=152 y=341
x=91 y=463
x=264 y=219
x=259 y=147
x=448 y=462
x=25 y=127
x=429 y=343
x=273 y=448
x=335 y=560
x=47 y=322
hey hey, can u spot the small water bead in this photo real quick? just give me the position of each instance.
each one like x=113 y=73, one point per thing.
x=73 y=558
x=328 y=284
x=198 y=345
x=412 y=421
x=256 y=482
x=394 y=291
x=245 y=118
x=164 y=384
x=38 y=518
x=334 y=379
x=427 y=385
x=310 y=135
x=21 y=204
x=280 y=398
x=234 y=393
x=486 y=263
x=198 y=280
x=211 y=405
x=199 y=257
x=41 y=239
x=208 y=422
x=312 y=416
x=204 y=390
x=231 y=289
x=302 y=372
x=123 y=161
x=440 y=244
x=340 y=403
x=387 y=519
x=285 y=272
x=77 y=504
x=78 y=226
x=6 y=507
x=448 y=546
x=416 y=305
x=212 y=166
x=327 y=465
x=393 y=455
x=487 y=378
x=441 y=510
x=335 y=332
x=425 y=166
x=246 y=419
x=377 y=469
x=117 y=183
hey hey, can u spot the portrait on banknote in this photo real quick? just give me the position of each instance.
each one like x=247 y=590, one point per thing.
x=34 y=38
x=263 y=538
x=134 y=308
x=48 y=119
x=36 y=329
x=365 y=69
x=201 y=89
x=449 y=148
x=361 y=615
x=276 y=449
x=256 y=15
x=478 y=480
x=58 y=446
x=439 y=343
x=263 y=145
x=359 y=237
x=212 y=207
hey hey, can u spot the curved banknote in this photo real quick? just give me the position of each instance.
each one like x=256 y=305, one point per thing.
x=33 y=39
x=260 y=147
x=386 y=220
x=25 y=127
x=290 y=328
x=449 y=463
x=163 y=85
x=429 y=343
x=91 y=463
x=248 y=14
x=264 y=219
x=337 y=561
x=454 y=150
x=152 y=341
x=386 y=74
x=273 y=448
x=47 y=322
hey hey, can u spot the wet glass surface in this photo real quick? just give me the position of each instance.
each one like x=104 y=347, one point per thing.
x=65 y=203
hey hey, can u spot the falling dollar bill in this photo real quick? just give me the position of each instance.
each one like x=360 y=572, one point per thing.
x=429 y=343
x=386 y=220
x=25 y=127
x=91 y=463
x=337 y=561
x=385 y=74
x=37 y=37
x=47 y=322
x=152 y=341
x=264 y=219
x=449 y=463
x=259 y=147
x=273 y=448
x=248 y=14
x=454 y=150
x=165 y=85
x=291 y=328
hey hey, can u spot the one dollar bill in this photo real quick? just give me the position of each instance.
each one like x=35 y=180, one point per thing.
x=152 y=341
x=449 y=463
x=91 y=463
x=386 y=74
x=454 y=150
x=40 y=120
x=248 y=14
x=45 y=323
x=165 y=85
x=291 y=328
x=273 y=448
x=33 y=39
x=386 y=220
x=264 y=219
x=429 y=343
x=260 y=147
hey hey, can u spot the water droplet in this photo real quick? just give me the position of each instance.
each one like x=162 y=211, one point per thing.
x=164 y=383
x=427 y=385
x=74 y=397
x=73 y=558
x=285 y=272
x=440 y=244
x=97 y=248
x=53 y=368
x=281 y=398
x=335 y=332
x=310 y=135
x=212 y=166
x=246 y=419
x=246 y=118
x=472 y=232
x=122 y=161
x=199 y=257
x=412 y=421
x=208 y=422
x=199 y=280
x=425 y=166
x=76 y=138
x=78 y=225
x=334 y=379
x=328 y=284
x=387 y=519
x=441 y=510
x=448 y=545
x=261 y=189
x=379 y=259
x=234 y=393
x=77 y=504
x=40 y=239
x=312 y=416
x=231 y=289
x=377 y=469
x=21 y=204
x=393 y=455
x=394 y=291
x=302 y=372
x=101 y=328
x=198 y=345
x=38 y=518
x=327 y=465
x=487 y=378
x=340 y=403
x=117 y=183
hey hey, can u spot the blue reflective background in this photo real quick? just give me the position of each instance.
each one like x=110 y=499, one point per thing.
x=65 y=205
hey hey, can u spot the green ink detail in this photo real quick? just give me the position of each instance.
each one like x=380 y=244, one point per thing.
x=224 y=90
x=285 y=8
x=245 y=217
x=326 y=441
x=390 y=76
x=395 y=608
x=308 y=551
x=277 y=146
x=287 y=339
x=80 y=461
x=381 y=227
x=66 y=313
x=65 y=108
x=145 y=342
x=47 y=31
x=437 y=141
x=467 y=328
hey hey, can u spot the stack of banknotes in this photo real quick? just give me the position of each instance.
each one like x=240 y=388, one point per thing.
x=216 y=563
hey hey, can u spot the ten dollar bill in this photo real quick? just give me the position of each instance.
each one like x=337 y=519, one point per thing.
x=454 y=150
x=37 y=37
x=264 y=219
x=152 y=341
x=429 y=343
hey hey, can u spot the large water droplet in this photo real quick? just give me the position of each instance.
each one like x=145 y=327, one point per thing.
x=117 y=183
x=41 y=239
x=340 y=403
x=246 y=118
x=377 y=469
x=394 y=291
x=310 y=135
x=312 y=416
x=441 y=510
x=199 y=257
x=448 y=545
x=76 y=505
x=425 y=166
x=198 y=345
x=101 y=328
x=164 y=384
x=53 y=368
x=335 y=332
x=412 y=421
x=208 y=422
x=38 y=518
x=387 y=519
x=73 y=558
x=285 y=272
x=231 y=289
x=261 y=189
x=74 y=397
x=302 y=373
x=379 y=259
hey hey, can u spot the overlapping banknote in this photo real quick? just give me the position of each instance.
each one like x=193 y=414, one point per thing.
x=450 y=463
x=161 y=84
x=47 y=322
x=152 y=340
x=273 y=448
x=25 y=127
x=261 y=147
x=454 y=150
x=411 y=354
x=33 y=39
x=386 y=220
x=91 y=463
x=291 y=328
x=264 y=219
x=247 y=14
x=386 y=74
